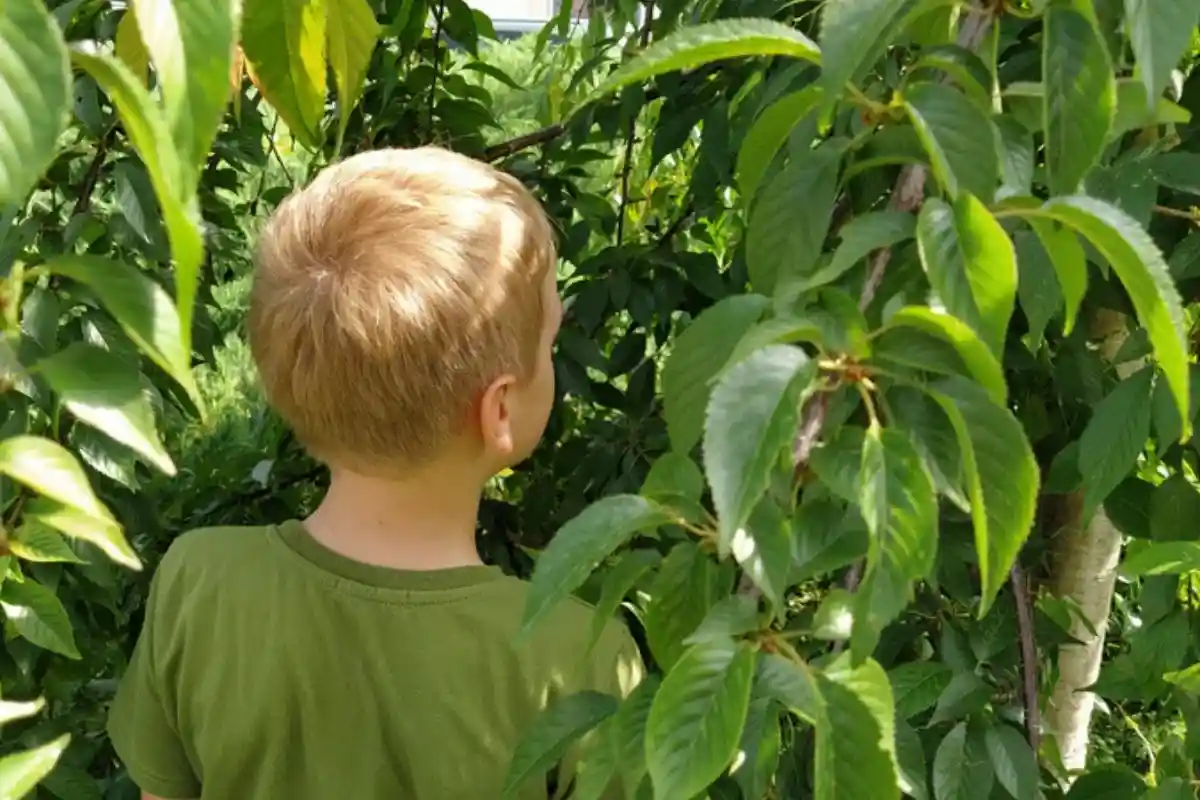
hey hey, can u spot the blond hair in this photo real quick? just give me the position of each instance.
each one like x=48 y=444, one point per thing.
x=388 y=294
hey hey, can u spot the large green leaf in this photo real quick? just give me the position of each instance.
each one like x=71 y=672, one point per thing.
x=1114 y=438
x=284 y=42
x=855 y=749
x=1139 y=264
x=1001 y=477
x=105 y=391
x=1037 y=290
x=713 y=41
x=1160 y=31
x=353 y=33
x=853 y=33
x=191 y=46
x=696 y=720
x=917 y=685
x=1013 y=760
x=971 y=265
x=36 y=89
x=975 y=355
x=1070 y=265
x=792 y=684
x=688 y=584
x=103 y=532
x=963 y=145
x=561 y=724
x=860 y=237
x=751 y=419
x=768 y=134
x=1162 y=558
x=1080 y=97
x=910 y=759
x=581 y=544
x=782 y=243
x=38 y=615
x=36 y=541
x=697 y=356
x=140 y=306
x=763 y=549
x=49 y=468
x=21 y=772
x=146 y=128
x=898 y=503
x=961 y=768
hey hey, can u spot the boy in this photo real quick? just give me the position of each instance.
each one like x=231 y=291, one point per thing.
x=402 y=318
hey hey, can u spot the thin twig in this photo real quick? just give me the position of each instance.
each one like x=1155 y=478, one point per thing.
x=630 y=139
x=262 y=180
x=92 y=176
x=1029 y=659
x=1190 y=216
x=278 y=157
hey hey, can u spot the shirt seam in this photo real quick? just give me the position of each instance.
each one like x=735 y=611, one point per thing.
x=377 y=594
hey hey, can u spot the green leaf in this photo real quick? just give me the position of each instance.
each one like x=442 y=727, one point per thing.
x=629 y=733
x=35 y=82
x=1013 y=761
x=21 y=772
x=792 y=684
x=581 y=544
x=353 y=32
x=284 y=42
x=768 y=134
x=1070 y=265
x=853 y=34
x=14 y=709
x=730 y=618
x=191 y=46
x=35 y=541
x=965 y=694
x=105 y=533
x=898 y=503
x=759 y=748
x=1001 y=476
x=698 y=355
x=687 y=585
x=140 y=306
x=1160 y=31
x=1162 y=558
x=105 y=391
x=971 y=265
x=146 y=128
x=623 y=576
x=910 y=757
x=1174 y=507
x=782 y=247
x=763 y=549
x=696 y=45
x=961 y=770
x=1016 y=157
x=1038 y=288
x=975 y=355
x=917 y=685
x=1140 y=266
x=696 y=720
x=1080 y=97
x=1136 y=112
x=552 y=732
x=855 y=749
x=1114 y=438
x=751 y=418
x=861 y=236
x=38 y=615
x=963 y=145
x=673 y=476
x=49 y=468
x=923 y=421
x=834 y=619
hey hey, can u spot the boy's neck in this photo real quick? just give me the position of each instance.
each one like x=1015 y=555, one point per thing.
x=425 y=521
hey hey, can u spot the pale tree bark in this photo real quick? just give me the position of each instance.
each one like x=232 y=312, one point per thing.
x=1085 y=571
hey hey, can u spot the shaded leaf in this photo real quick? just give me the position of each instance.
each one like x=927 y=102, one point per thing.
x=855 y=749
x=963 y=146
x=961 y=770
x=581 y=544
x=1160 y=31
x=552 y=732
x=1013 y=761
x=982 y=365
x=1114 y=437
x=768 y=133
x=897 y=501
x=917 y=685
x=853 y=33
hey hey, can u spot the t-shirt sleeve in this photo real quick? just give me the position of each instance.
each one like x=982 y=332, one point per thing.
x=140 y=724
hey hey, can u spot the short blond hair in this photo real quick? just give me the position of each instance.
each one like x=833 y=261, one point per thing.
x=388 y=294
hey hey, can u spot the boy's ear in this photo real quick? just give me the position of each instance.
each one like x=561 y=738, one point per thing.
x=496 y=426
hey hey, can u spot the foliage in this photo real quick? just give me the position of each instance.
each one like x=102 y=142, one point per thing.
x=820 y=411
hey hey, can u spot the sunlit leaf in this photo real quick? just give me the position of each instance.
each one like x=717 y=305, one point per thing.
x=284 y=42
x=21 y=772
x=38 y=615
x=352 y=32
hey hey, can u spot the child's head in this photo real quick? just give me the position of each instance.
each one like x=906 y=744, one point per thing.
x=404 y=307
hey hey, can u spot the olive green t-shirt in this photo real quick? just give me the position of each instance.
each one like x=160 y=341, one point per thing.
x=271 y=667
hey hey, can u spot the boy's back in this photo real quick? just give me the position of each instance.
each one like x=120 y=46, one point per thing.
x=270 y=666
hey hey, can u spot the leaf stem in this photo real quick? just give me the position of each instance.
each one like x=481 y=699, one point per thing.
x=1191 y=215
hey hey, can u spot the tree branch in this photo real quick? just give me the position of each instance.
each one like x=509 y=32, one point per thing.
x=1029 y=662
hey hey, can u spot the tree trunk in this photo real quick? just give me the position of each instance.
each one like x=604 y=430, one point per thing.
x=1085 y=571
